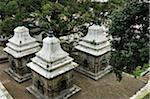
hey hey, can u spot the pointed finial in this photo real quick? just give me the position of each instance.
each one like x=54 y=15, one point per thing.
x=50 y=33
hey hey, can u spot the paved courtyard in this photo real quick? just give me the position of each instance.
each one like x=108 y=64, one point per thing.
x=105 y=88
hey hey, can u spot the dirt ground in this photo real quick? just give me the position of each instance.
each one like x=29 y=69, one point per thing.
x=105 y=88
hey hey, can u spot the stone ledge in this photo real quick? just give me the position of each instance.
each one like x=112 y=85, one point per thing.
x=17 y=77
x=4 y=93
x=71 y=92
x=145 y=72
x=3 y=60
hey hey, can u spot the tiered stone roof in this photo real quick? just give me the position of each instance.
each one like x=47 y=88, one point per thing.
x=21 y=44
x=51 y=60
x=95 y=42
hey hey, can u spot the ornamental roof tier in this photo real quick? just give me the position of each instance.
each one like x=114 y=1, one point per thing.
x=51 y=60
x=95 y=42
x=21 y=44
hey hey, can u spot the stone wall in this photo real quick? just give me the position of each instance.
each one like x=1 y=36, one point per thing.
x=19 y=65
x=52 y=87
x=92 y=63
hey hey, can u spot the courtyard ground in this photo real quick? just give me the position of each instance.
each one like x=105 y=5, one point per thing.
x=105 y=88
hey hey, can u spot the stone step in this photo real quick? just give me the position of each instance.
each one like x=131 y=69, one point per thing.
x=3 y=58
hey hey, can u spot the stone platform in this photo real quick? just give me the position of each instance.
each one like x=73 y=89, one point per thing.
x=71 y=92
x=17 y=77
x=105 y=88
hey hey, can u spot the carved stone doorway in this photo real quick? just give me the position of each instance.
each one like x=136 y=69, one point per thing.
x=40 y=87
x=13 y=66
x=62 y=85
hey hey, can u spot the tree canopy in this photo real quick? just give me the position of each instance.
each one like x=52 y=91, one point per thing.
x=15 y=12
x=130 y=34
x=62 y=16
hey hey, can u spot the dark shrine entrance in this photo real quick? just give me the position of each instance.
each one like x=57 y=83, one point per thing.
x=40 y=87
x=62 y=85
x=13 y=66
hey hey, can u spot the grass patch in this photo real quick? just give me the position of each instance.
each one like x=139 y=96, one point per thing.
x=139 y=69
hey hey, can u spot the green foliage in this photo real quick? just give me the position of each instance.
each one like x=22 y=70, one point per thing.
x=130 y=44
x=61 y=16
x=14 y=12
x=139 y=70
x=66 y=15
x=6 y=23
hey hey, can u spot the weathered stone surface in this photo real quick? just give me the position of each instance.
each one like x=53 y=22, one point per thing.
x=21 y=44
x=95 y=42
x=52 y=70
x=20 y=48
x=93 y=53
x=18 y=69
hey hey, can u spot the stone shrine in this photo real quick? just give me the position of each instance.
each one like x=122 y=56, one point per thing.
x=20 y=48
x=52 y=70
x=93 y=53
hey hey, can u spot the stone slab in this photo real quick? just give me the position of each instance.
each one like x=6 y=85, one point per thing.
x=72 y=91
x=17 y=77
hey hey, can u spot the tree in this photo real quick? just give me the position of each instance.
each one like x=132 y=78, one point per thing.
x=130 y=44
x=15 y=12
x=62 y=16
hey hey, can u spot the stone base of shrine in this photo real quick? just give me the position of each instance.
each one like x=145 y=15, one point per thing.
x=92 y=75
x=17 y=77
x=64 y=95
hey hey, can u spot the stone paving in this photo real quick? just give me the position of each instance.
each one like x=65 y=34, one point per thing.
x=105 y=88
